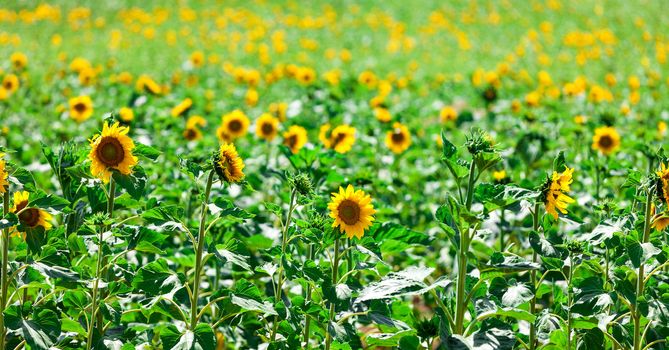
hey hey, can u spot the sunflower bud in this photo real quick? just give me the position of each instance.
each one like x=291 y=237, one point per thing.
x=301 y=182
x=575 y=247
x=478 y=142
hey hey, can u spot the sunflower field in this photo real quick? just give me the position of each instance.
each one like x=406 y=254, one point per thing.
x=209 y=175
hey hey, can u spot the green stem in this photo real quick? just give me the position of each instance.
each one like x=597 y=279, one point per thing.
x=307 y=319
x=501 y=229
x=638 y=341
x=461 y=306
x=335 y=268
x=570 y=298
x=5 y=263
x=284 y=243
x=533 y=280
x=199 y=252
x=94 y=298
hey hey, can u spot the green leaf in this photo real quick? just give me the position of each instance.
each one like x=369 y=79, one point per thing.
x=230 y=252
x=146 y=151
x=156 y=279
x=134 y=183
x=201 y=338
x=40 y=332
x=403 y=283
x=225 y=207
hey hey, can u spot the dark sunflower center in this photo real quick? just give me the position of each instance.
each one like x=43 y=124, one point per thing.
x=235 y=125
x=349 y=212
x=29 y=217
x=80 y=107
x=8 y=84
x=110 y=151
x=338 y=139
x=190 y=134
x=267 y=129
x=291 y=141
x=397 y=137
x=605 y=141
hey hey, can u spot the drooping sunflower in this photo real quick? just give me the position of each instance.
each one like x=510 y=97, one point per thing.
x=182 y=107
x=267 y=127
x=554 y=192
x=295 y=138
x=352 y=211
x=606 y=140
x=10 y=83
x=398 y=139
x=81 y=108
x=3 y=174
x=146 y=84
x=235 y=124
x=660 y=221
x=112 y=150
x=30 y=217
x=228 y=164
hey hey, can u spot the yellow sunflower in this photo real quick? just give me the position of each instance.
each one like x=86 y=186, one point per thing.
x=660 y=221
x=382 y=114
x=112 y=150
x=235 y=124
x=448 y=114
x=10 y=83
x=554 y=192
x=341 y=139
x=19 y=60
x=81 y=108
x=606 y=140
x=126 y=114
x=352 y=211
x=278 y=110
x=398 y=139
x=228 y=164
x=192 y=133
x=182 y=107
x=267 y=127
x=251 y=97
x=146 y=84
x=3 y=174
x=30 y=217
x=295 y=138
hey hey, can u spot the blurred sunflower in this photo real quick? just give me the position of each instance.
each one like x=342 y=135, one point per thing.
x=341 y=139
x=30 y=217
x=295 y=138
x=606 y=140
x=112 y=150
x=267 y=127
x=19 y=60
x=554 y=192
x=382 y=114
x=3 y=174
x=278 y=110
x=235 y=124
x=228 y=165
x=398 y=139
x=146 y=84
x=81 y=108
x=192 y=134
x=182 y=107
x=10 y=83
x=352 y=211
x=448 y=114
x=126 y=114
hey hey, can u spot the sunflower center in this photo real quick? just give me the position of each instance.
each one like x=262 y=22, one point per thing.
x=8 y=85
x=190 y=134
x=338 y=139
x=291 y=141
x=349 y=212
x=267 y=129
x=397 y=137
x=235 y=125
x=110 y=151
x=605 y=141
x=80 y=107
x=29 y=217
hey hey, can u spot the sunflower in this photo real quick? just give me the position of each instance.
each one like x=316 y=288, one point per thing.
x=606 y=140
x=398 y=139
x=81 y=108
x=146 y=84
x=235 y=124
x=352 y=211
x=112 y=150
x=267 y=127
x=660 y=221
x=30 y=217
x=182 y=107
x=126 y=114
x=341 y=139
x=555 y=191
x=196 y=121
x=228 y=165
x=192 y=133
x=295 y=138
x=278 y=110
x=19 y=60
x=382 y=114
x=10 y=83
x=499 y=175
x=448 y=114
x=3 y=174
x=251 y=97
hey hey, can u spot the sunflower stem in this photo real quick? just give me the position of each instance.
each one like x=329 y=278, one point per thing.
x=461 y=295
x=5 y=263
x=307 y=319
x=533 y=280
x=636 y=313
x=94 y=297
x=335 y=268
x=284 y=243
x=570 y=299
x=199 y=252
